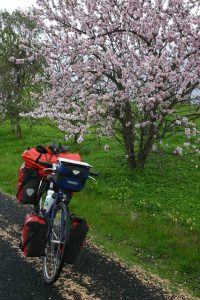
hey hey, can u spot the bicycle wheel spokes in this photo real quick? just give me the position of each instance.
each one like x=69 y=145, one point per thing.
x=57 y=237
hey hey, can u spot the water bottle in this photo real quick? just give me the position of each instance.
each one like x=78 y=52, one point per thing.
x=49 y=199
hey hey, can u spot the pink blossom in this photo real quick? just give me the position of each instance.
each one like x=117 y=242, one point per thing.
x=19 y=61
x=187 y=132
x=112 y=66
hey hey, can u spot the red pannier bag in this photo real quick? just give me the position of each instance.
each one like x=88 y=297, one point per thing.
x=79 y=230
x=27 y=185
x=29 y=157
x=19 y=182
x=33 y=236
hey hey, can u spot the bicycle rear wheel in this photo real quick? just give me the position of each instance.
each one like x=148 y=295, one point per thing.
x=57 y=238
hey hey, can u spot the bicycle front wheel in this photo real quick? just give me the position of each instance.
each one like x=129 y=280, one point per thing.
x=57 y=238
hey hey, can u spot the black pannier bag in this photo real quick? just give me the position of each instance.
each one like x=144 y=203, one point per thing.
x=79 y=229
x=33 y=236
x=28 y=184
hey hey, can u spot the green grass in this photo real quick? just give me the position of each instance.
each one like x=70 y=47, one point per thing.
x=150 y=217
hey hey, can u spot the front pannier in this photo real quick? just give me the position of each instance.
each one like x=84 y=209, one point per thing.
x=33 y=236
x=71 y=177
x=79 y=229
x=28 y=184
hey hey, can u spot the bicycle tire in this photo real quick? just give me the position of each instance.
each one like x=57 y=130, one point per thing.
x=55 y=249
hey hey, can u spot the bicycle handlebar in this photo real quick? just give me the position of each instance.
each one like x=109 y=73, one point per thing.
x=43 y=163
x=50 y=165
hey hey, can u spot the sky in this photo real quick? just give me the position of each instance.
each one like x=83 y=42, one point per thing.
x=11 y=5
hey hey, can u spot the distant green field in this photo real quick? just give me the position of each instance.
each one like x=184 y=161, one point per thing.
x=150 y=217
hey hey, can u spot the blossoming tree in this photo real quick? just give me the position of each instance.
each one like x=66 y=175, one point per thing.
x=124 y=66
x=16 y=71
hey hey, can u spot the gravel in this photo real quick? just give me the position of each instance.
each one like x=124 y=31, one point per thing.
x=93 y=276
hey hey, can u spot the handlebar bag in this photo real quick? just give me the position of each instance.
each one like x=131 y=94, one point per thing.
x=79 y=229
x=27 y=186
x=71 y=177
x=33 y=236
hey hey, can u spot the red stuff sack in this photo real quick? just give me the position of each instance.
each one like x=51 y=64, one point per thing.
x=79 y=230
x=33 y=236
x=27 y=186
x=30 y=156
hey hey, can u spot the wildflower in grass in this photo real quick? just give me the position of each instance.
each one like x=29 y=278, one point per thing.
x=184 y=119
x=128 y=124
x=186 y=144
x=137 y=125
x=106 y=147
x=11 y=59
x=178 y=151
x=198 y=151
x=178 y=122
x=80 y=139
x=154 y=148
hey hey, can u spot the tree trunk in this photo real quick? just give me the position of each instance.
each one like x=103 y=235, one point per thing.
x=128 y=135
x=12 y=124
x=141 y=160
x=145 y=147
x=18 y=129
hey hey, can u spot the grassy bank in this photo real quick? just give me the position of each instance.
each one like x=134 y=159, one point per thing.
x=150 y=216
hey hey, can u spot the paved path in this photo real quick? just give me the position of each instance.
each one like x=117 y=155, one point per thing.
x=94 y=275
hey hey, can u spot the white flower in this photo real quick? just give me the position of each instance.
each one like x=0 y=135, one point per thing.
x=128 y=124
x=178 y=122
x=186 y=144
x=184 y=119
x=178 y=151
x=154 y=148
x=106 y=147
x=137 y=125
x=11 y=59
x=66 y=138
x=198 y=151
x=80 y=139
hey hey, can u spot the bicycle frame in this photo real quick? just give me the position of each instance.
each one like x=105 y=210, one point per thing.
x=50 y=215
